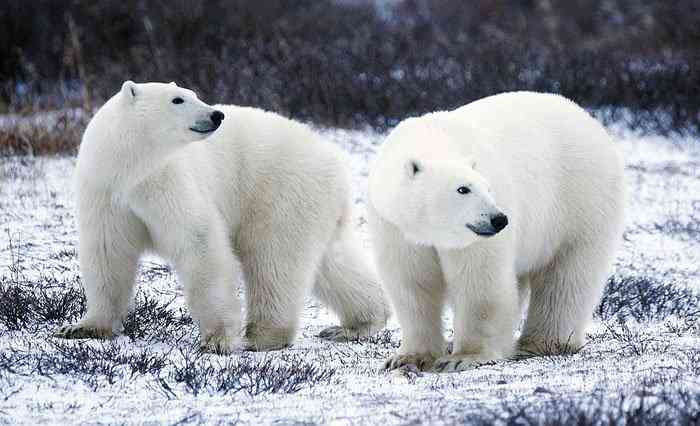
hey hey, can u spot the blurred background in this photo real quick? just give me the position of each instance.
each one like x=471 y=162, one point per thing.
x=347 y=63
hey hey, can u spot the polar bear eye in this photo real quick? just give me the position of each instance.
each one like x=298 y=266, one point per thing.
x=178 y=101
x=463 y=190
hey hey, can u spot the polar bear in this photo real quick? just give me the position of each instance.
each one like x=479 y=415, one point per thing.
x=518 y=191
x=223 y=193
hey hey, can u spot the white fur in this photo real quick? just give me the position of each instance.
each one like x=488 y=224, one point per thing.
x=556 y=174
x=262 y=199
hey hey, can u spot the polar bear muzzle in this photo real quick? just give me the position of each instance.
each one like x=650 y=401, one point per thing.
x=208 y=126
x=496 y=224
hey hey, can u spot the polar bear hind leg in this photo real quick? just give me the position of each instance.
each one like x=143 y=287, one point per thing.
x=280 y=260
x=348 y=285
x=563 y=297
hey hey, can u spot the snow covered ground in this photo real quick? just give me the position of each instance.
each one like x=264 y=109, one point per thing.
x=642 y=364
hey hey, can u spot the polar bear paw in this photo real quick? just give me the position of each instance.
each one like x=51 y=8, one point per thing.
x=529 y=346
x=459 y=362
x=338 y=333
x=219 y=343
x=267 y=338
x=421 y=361
x=525 y=350
x=265 y=344
x=78 y=331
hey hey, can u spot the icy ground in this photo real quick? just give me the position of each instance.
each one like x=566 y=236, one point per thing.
x=641 y=366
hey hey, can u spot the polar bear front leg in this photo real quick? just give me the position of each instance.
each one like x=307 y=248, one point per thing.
x=189 y=232
x=483 y=290
x=417 y=294
x=413 y=282
x=110 y=243
x=209 y=272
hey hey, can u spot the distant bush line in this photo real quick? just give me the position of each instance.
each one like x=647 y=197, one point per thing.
x=351 y=62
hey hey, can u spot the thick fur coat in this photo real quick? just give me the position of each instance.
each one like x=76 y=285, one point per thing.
x=260 y=199
x=515 y=194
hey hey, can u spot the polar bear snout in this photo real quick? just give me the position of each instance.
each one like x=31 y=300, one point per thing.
x=499 y=221
x=217 y=117
x=496 y=224
x=208 y=126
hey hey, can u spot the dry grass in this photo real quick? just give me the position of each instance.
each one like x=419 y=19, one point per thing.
x=47 y=133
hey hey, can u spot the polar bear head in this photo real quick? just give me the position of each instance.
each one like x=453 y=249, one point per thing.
x=166 y=114
x=139 y=126
x=447 y=203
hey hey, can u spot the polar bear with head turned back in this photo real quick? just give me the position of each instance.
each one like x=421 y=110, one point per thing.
x=226 y=194
x=513 y=196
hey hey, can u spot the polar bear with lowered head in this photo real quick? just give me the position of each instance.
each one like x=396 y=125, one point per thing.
x=512 y=194
x=222 y=193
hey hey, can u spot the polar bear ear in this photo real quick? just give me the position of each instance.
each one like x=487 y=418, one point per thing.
x=413 y=167
x=172 y=83
x=129 y=90
x=472 y=162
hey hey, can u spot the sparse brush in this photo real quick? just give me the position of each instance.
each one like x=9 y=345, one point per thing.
x=15 y=308
x=57 y=307
x=88 y=361
x=646 y=299
x=33 y=306
x=155 y=320
x=44 y=303
x=646 y=405
x=271 y=375
x=634 y=341
x=688 y=228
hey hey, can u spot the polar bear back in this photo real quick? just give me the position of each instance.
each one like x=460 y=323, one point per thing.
x=268 y=144
x=258 y=155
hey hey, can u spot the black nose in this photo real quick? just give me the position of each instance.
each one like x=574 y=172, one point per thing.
x=217 y=117
x=499 y=221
